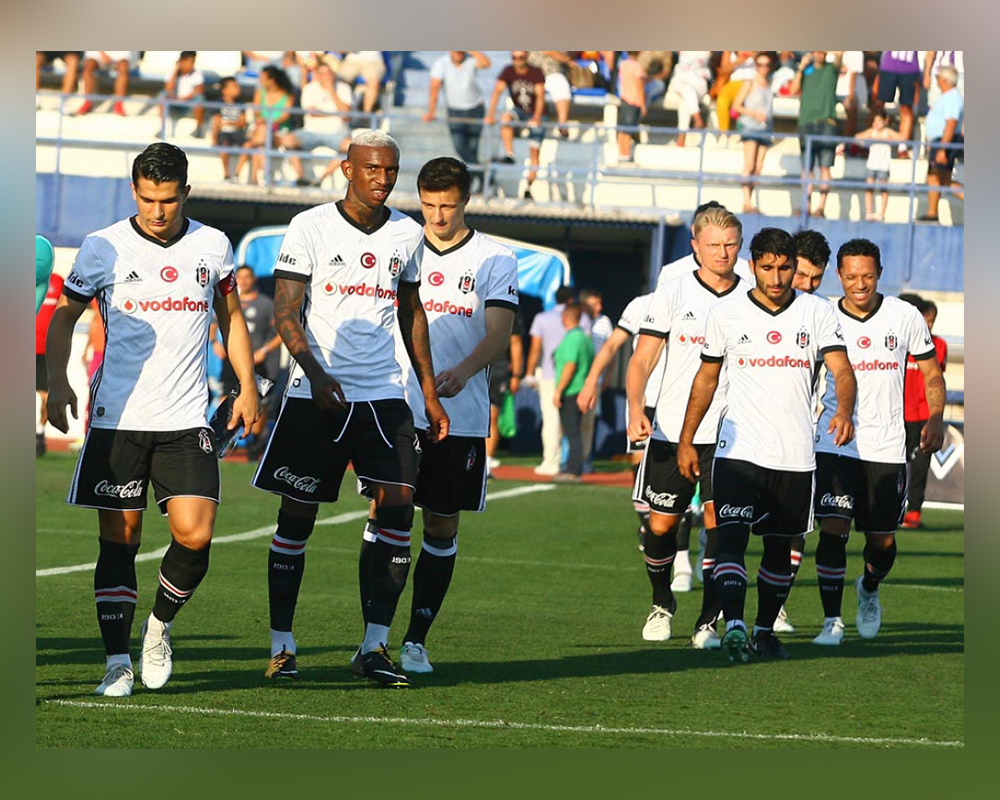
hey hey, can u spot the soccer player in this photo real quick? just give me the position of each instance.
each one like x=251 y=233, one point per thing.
x=770 y=340
x=157 y=276
x=866 y=480
x=694 y=259
x=679 y=309
x=340 y=271
x=470 y=298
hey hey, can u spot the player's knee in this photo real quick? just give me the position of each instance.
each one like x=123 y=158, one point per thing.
x=440 y=545
x=663 y=524
x=835 y=526
x=397 y=518
x=438 y=527
x=880 y=541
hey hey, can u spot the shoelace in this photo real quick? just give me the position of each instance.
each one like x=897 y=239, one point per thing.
x=869 y=608
x=158 y=652
x=419 y=649
x=116 y=673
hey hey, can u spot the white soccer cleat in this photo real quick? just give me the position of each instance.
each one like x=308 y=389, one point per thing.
x=681 y=582
x=156 y=662
x=706 y=638
x=782 y=623
x=118 y=682
x=832 y=633
x=657 y=627
x=869 y=618
x=413 y=658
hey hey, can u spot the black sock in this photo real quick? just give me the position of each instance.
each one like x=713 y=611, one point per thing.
x=831 y=567
x=115 y=593
x=730 y=574
x=388 y=567
x=180 y=573
x=774 y=577
x=364 y=564
x=286 y=563
x=643 y=526
x=431 y=579
x=798 y=545
x=710 y=604
x=878 y=564
x=684 y=531
x=659 y=554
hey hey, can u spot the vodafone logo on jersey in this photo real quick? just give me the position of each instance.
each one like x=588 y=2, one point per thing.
x=695 y=340
x=774 y=361
x=774 y=337
x=448 y=307
x=875 y=366
x=435 y=279
x=368 y=260
x=130 y=306
x=864 y=342
x=169 y=274
x=361 y=290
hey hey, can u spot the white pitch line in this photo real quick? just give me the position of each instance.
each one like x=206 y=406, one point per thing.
x=500 y=724
x=268 y=530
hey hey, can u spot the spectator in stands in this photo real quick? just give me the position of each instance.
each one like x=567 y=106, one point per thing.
x=933 y=61
x=366 y=64
x=397 y=74
x=735 y=67
x=272 y=101
x=755 y=105
x=915 y=415
x=852 y=90
x=526 y=87
x=294 y=69
x=42 y=320
x=879 y=161
x=657 y=64
x=229 y=125
x=186 y=84
x=255 y=60
x=944 y=125
x=631 y=110
x=816 y=82
x=325 y=124
x=122 y=62
x=687 y=87
x=554 y=65
x=70 y=58
x=458 y=74
x=572 y=358
x=899 y=70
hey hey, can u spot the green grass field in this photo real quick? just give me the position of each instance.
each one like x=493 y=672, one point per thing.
x=538 y=644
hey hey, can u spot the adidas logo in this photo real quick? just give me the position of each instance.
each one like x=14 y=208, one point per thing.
x=336 y=261
x=688 y=315
x=744 y=339
x=133 y=277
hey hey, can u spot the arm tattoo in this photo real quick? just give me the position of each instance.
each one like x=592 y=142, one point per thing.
x=288 y=296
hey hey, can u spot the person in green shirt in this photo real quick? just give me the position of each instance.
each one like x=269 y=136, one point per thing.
x=573 y=358
x=816 y=81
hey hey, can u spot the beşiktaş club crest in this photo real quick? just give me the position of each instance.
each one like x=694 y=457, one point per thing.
x=395 y=264
x=204 y=440
x=202 y=273
x=466 y=283
x=890 y=341
x=802 y=338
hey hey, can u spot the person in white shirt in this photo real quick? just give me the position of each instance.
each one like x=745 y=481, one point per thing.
x=187 y=84
x=157 y=277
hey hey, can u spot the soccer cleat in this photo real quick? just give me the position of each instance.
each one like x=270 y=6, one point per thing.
x=282 y=665
x=832 y=633
x=706 y=638
x=378 y=667
x=767 y=646
x=357 y=665
x=869 y=618
x=657 y=627
x=681 y=582
x=782 y=623
x=911 y=520
x=413 y=658
x=118 y=682
x=735 y=645
x=156 y=662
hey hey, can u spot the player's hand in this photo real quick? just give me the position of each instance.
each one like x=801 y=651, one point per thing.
x=246 y=408
x=687 y=462
x=437 y=419
x=842 y=429
x=587 y=398
x=327 y=393
x=639 y=427
x=932 y=436
x=449 y=382
x=61 y=396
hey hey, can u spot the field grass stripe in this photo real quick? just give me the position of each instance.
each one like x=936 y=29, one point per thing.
x=267 y=530
x=500 y=724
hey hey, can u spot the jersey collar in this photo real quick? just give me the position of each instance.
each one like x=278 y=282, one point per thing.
x=386 y=213
x=708 y=288
x=429 y=246
x=172 y=240
x=766 y=310
x=872 y=313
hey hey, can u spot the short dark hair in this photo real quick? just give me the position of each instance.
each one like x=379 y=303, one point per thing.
x=442 y=174
x=860 y=247
x=227 y=80
x=704 y=207
x=773 y=241
x=564 y=294
x=914 y=299
x=245 y=266
x=586 y=294
x=161 y=163
x=813 y=247
x=929 y=306
x=188 y=54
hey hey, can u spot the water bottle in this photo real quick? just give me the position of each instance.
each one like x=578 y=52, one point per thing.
x=225 y=439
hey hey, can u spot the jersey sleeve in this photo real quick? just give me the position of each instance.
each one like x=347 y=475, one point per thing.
x=502 y=288
x=631 y=319
x=227 y=274
x=411 y=272
x=659 y=311
x=919 y=343
x=295 y=258
x=714 y=349
x=829 y=334
x=89 y=273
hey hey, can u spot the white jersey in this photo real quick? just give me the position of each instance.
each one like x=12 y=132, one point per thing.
x=349 y=310
x=689 y=263
x=877 y=347
x=771 y=358
x=631 y=322
x=679 y=310
x=156 y=302
x=461 y=283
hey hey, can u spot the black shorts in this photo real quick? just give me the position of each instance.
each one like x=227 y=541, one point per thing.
x=629 y=116
x=659 y=482
x=41 y=373
x=232 y=138
x=116 y=467
x=452 y=475
x=309 y=449
x=952 y=154
x=871 y=493
x=639 y=447
x=772 y=501
x=905 y=82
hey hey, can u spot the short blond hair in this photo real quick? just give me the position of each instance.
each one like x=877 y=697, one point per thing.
x=720 y=217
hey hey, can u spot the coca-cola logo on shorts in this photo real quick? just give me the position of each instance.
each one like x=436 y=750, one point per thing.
x=121 y=490
x=304 y=483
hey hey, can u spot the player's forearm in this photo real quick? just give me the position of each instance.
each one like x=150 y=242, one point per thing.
x=238 y=348
x=534 y=355
x=846 y=388
x=636 y=378
x=58 y=344
x=936 y=392
x=416 y=338
x=702 y=392
x=490 y=347
x=288 y=296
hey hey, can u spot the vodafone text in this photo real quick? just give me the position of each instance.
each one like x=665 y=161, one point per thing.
x=774 y=361
x=361 y=290
x=875 y=366
x=168 y=304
